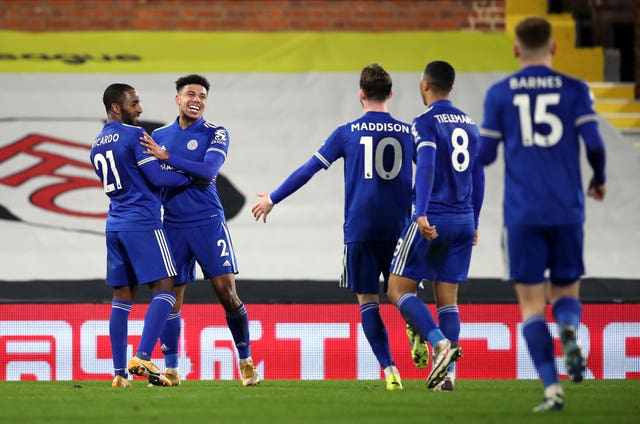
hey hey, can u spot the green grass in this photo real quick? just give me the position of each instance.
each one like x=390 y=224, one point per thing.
x=335 y=401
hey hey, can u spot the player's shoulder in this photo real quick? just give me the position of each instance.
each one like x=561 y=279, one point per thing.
x=131 y=127
x=501 y=86
x=344 y=132
x=355 y=121
x=398 y=121
x=428 y=114
x=211 y=126
x=459 y=111
x=347 y=126
x=164 y=128
x=423 y=118
x=213 y=130
x=131 y=131
x=214 y=133
x=572 y=82
x=117 y=133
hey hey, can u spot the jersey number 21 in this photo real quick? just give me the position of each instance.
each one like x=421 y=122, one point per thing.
x=104 y=163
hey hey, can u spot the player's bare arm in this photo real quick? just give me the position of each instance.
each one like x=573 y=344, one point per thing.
x=153 y=148
x=427 y=230
x=262 y=207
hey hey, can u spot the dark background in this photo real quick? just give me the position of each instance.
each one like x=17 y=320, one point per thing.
x=475 y=291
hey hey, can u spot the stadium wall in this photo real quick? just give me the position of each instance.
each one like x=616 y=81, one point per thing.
x=255 y=15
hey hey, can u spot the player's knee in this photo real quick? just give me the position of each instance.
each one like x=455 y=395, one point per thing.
x=393 y=294
x=228 y=299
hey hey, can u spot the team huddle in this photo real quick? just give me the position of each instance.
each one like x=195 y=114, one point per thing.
x=407 y=226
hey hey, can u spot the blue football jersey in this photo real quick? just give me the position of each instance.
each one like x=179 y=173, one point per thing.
x=455 y=137
x=378 y=157
x=537 y=112
x=117 y=156
x=195 y=204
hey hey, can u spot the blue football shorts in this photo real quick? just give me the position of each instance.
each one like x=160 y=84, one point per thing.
x=138 y=257
x=446 y=259
x=362 y=265
x=209 y=245
x=531 y=251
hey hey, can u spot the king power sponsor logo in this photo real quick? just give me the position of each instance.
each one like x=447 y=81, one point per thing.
x=309 y=342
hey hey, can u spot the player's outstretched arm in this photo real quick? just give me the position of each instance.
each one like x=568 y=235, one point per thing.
x=262 y=207
x=297 y=179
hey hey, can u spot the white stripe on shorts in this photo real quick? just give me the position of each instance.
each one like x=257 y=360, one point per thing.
x=401 y=259
x=166 y=253
x=505 y=253
x=344 y=280
x=232 y=252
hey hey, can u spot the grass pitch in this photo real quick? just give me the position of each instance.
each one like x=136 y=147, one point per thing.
x=332 y=401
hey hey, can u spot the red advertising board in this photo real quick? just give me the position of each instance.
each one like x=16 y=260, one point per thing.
x=71 y=342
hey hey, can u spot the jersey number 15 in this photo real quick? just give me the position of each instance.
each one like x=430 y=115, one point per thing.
x=541 y=116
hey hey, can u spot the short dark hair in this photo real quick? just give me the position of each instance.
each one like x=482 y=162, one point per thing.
x=533 y=32
x=192 y=79
x=375 y=82
x=115 y=93
x=440 y=75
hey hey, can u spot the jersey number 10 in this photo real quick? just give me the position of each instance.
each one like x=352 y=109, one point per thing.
x=367 y=142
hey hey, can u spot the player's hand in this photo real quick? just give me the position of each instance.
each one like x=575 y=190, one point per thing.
x=262 y=207
x=153 y=148
x=475 y=237
x=427 y=230
x=597 y=191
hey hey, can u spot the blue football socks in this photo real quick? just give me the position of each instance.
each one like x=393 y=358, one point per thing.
x=170 y=339
x=376 y=333
x=154 y=321
x=239 y=326
x=118 y=321
x=449 y=323
x=416 y=314
x=567 y=310
x=541 y=348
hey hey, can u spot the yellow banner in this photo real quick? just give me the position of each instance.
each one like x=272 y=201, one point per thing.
x=156 y=51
